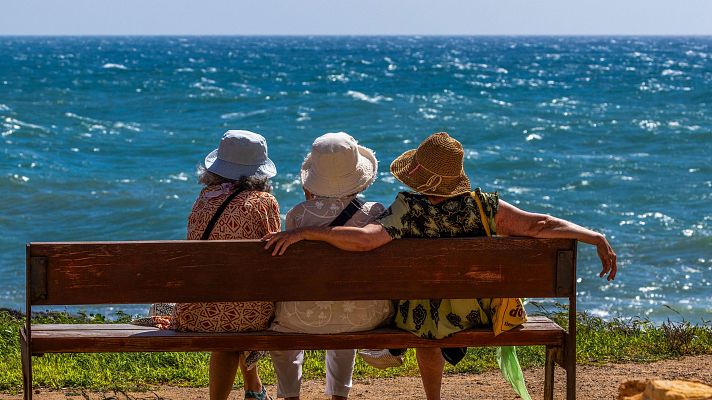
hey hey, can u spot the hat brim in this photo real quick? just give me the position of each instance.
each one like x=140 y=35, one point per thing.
x=235 y=171
x=405 y=169
x=355 y=182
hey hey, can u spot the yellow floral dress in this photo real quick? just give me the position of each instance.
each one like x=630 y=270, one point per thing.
x=412 y=216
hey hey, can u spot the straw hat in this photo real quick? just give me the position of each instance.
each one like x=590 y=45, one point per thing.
x=435 y=168
x=338 y=167
x=241 y=153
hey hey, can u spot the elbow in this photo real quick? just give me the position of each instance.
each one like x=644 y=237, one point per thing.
x=361 y=248
x=365 y=245
x=366 y=241
x=542 y=225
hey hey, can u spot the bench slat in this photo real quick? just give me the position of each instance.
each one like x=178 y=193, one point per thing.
x=192 y=271
x=131 y=338
x=531 y=320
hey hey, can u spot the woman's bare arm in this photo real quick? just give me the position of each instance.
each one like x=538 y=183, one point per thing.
x=349 y=238
x=511 y=221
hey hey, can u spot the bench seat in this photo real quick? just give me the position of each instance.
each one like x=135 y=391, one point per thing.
x=90 y=338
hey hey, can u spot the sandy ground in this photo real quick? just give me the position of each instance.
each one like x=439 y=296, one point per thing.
x=594 y=382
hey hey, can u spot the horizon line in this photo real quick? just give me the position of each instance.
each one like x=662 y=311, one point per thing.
x=701 y=35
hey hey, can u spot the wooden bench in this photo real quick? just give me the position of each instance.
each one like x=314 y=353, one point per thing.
x=95 y=273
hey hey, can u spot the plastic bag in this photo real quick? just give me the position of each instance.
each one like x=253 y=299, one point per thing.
x=511 y=370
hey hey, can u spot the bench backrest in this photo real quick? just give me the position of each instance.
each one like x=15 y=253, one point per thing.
x=193 y=271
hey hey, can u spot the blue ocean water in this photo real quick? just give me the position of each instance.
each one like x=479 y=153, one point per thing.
x=100 y=137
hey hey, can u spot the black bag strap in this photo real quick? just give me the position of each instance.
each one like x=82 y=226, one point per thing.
x=348 y=212
x=218 y=213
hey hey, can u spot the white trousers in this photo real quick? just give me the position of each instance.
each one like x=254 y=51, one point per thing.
x=288 y=368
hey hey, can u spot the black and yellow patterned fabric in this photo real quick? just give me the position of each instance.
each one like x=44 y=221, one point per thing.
x=412 y=216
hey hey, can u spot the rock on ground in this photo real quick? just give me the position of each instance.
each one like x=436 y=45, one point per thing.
x=664 y=390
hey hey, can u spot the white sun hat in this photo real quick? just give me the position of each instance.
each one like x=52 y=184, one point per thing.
x=338 y=167
x=241 y=153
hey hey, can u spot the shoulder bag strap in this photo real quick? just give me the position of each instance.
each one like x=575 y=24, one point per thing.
x=218 y=213
x=347 y=213
x=506 y=355
x=483 y=217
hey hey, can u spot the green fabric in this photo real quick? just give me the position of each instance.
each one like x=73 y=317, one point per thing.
x=511 y=370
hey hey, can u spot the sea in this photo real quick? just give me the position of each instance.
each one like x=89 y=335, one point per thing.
x=101 y=136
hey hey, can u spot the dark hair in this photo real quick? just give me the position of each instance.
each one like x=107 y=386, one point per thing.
x=245 y=183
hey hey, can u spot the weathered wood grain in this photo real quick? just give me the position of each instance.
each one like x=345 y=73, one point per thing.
x=193 y=271
x=130 y=338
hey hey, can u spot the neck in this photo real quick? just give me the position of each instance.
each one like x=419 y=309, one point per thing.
x=436 y=199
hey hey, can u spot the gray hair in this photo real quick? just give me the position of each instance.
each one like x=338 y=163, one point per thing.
x=245 y=183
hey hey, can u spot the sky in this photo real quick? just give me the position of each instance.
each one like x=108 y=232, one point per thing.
x=356 y=17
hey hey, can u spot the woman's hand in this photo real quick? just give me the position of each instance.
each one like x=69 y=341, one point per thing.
x=608 y=258
x=282 y=240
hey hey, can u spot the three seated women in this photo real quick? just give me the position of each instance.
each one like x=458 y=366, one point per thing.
x=441 y=204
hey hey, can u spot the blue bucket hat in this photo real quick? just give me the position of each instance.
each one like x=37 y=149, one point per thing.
x=241 y=153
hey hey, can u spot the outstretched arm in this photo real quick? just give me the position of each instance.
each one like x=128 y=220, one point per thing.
x=512 y=221
x=349 y=238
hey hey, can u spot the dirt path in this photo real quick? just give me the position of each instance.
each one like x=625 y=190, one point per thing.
x=594 y=382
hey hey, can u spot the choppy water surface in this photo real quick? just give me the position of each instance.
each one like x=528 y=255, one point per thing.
x=100 y=137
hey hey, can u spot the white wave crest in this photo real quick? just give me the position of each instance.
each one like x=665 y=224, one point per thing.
x=518 y=190
x=19 y=178
x=82 y=118
x=179 y=177
x=207 y=85
x=239 y=114
x=131 y=126
x=337 y=78
x=501 y=103
x=671 y=72
x=428 y=113
x=363 y=97
x=17 y=124
x=114 y=66
x=649 y=125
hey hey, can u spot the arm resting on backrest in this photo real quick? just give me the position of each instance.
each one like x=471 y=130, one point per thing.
x=349 y=238
x=511 y=221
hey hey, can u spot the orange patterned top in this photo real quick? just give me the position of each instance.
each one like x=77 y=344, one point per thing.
x=250 y=215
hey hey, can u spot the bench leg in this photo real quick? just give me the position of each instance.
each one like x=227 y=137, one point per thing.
x=570 y=362
x=549 y=373
x=26 y=365
x=571 y=382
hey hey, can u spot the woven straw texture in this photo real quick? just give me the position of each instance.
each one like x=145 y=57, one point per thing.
x=435 y=168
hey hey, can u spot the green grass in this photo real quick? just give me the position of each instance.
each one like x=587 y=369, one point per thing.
x=599 y=341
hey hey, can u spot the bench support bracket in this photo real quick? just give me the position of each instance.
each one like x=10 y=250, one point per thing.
x=38 y=277
x=564 y=272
